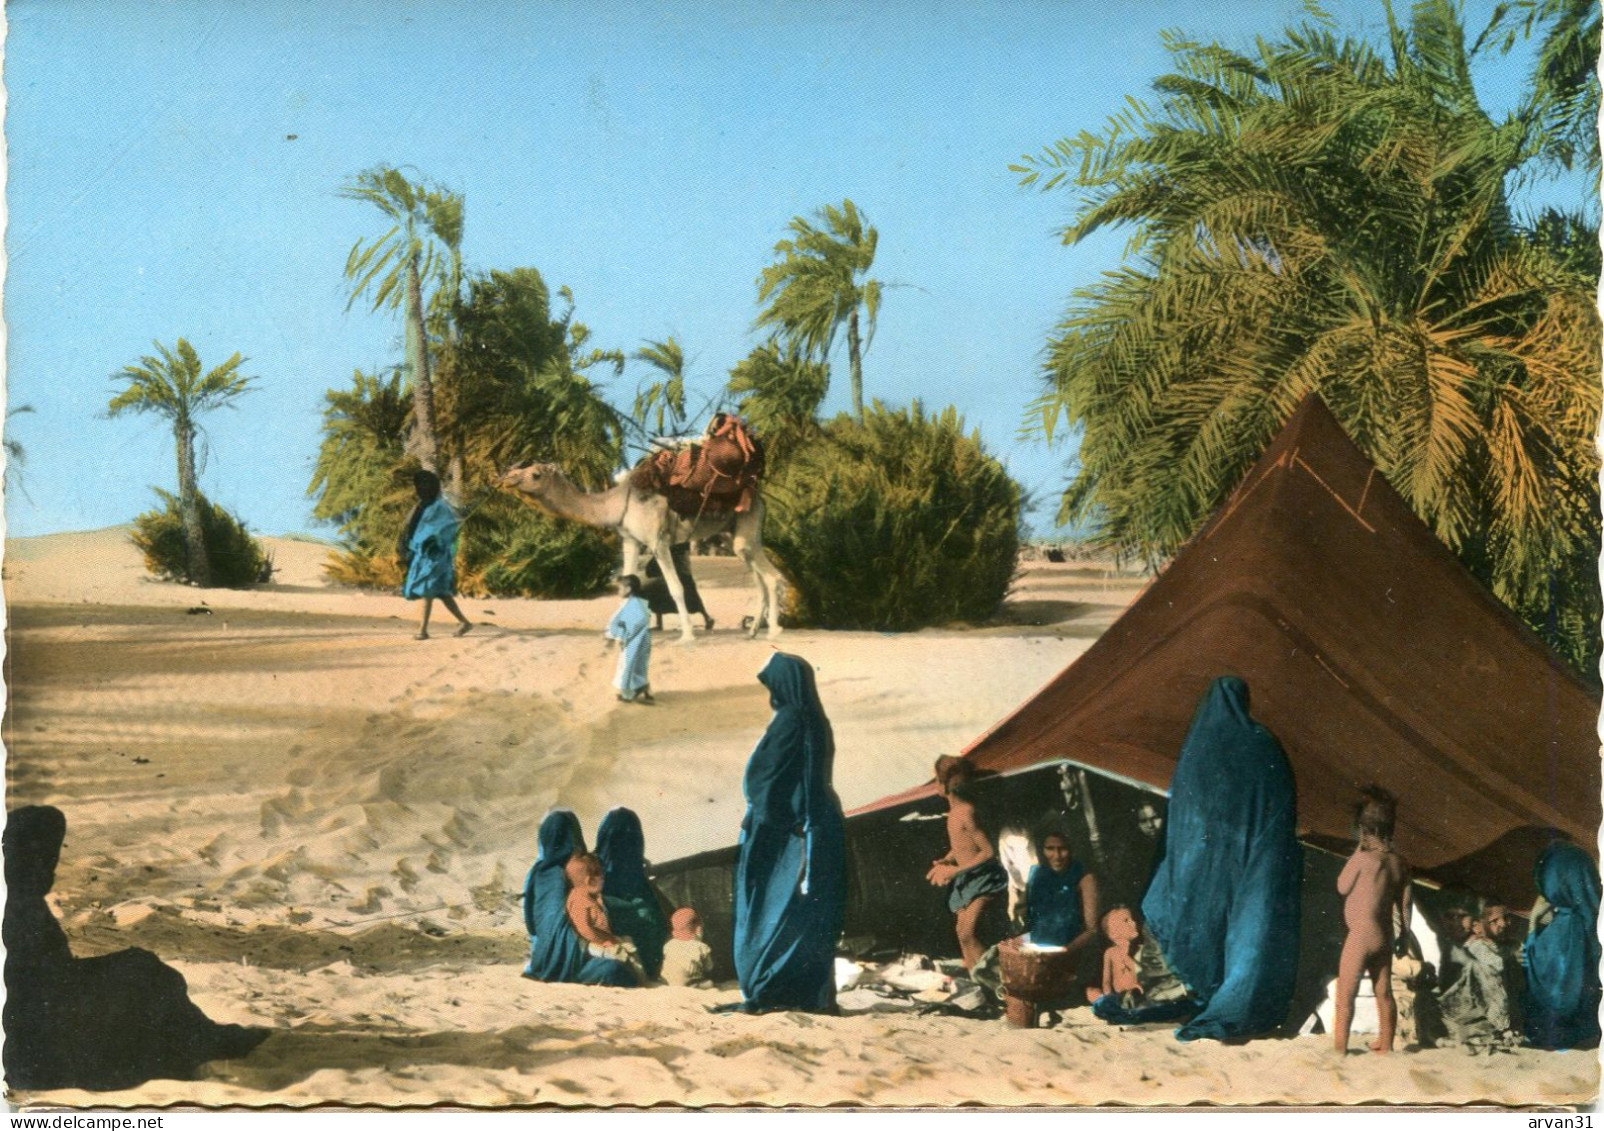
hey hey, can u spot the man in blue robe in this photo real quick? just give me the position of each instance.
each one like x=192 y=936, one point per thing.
x=428 y=551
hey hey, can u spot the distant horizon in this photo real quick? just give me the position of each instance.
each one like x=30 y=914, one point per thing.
x=174 y=172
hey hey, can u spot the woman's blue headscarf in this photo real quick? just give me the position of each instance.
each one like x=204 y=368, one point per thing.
x=1562 y=980
x=556 y=952
x=632 y=905
x=1224 y=901
x=790 y=875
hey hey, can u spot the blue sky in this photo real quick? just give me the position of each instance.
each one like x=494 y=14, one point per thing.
x=648 y=156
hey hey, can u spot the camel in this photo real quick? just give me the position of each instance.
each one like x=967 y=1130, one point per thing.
x=647 y=526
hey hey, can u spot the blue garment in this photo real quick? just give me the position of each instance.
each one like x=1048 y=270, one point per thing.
x=1562 y=981
x=790 y=873
x=985 y=878
x=556 y=952
x=1224 y=901
x=631 y=626
x=633 y=910
x=433 y=569
x=1053 y=912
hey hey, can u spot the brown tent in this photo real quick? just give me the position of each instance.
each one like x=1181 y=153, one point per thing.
x=1369 y=651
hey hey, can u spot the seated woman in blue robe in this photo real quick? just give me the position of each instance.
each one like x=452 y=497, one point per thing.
x=790 y=874
x=428 y=552
x=633 y=908
x=556 y=952
x=1562 y=955
x=1224 y=901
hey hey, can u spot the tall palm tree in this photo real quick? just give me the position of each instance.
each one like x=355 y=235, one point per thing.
x=819 y=285
x=1321 y=216
x=423 y=244
x=665 y=397
x=171 y=384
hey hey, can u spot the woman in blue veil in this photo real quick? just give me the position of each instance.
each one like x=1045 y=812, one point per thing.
x=556 y=952
x=1224 y=901
x=633 y=909
x=790 y=875
x=1562 y=981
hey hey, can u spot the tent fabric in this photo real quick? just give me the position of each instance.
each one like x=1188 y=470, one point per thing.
x=1562 y=979
x=633 y=909
x=432 y=571
x=1373 y=656
x=1225 y=898
x=556 y=952
x=790 y=872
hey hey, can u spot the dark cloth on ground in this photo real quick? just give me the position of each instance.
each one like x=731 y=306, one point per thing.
x=1562 y=957
x=1134 y=1009
x=102 y=1023
x=556 y=952
x=790 y=872
x=1225 y=898
x=1053 y=912
x=988 y=877
x=655 y=588
x=633 y=908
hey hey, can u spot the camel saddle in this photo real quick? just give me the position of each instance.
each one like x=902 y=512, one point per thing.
x=717 y=475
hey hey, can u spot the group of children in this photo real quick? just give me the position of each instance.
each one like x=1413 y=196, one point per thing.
x=1476 y=985
x=687 y=960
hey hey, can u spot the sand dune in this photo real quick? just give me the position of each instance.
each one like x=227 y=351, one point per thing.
x=325 y=823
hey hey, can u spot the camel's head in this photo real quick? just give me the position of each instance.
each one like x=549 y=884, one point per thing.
x=530 y=479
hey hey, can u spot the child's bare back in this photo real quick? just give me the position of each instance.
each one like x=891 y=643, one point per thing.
x=1374 y=881
x=1371 y=884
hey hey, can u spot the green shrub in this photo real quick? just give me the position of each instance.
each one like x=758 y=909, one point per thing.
x=894 y=523
x=526 y=553
x=237 y=560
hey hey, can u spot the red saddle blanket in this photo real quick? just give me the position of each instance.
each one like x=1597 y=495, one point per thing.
x=717 y=475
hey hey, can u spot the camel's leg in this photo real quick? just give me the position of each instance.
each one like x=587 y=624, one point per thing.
x=665 y=562
x=632 y=552
x=748 y=541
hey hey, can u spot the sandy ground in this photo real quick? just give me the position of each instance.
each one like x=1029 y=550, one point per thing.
x=324 y=824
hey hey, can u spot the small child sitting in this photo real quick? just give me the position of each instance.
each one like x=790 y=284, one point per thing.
x=588 y=913
x=1374 y=881
x=687 y=960
x=1121 y=973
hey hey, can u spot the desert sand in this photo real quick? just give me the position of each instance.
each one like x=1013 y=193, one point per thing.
x=324 y=825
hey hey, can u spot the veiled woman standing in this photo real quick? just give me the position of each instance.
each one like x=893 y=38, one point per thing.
x=556 y=952
x=632 y=904
x=790 y=876
x=1225 y=898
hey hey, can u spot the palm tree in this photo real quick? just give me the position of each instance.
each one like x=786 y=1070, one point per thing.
x=423 y=243
x=1319 y=216
x=1560 y=111
x=779 y=394
x=172 y=385
x=665 y=397
x=819 y=285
